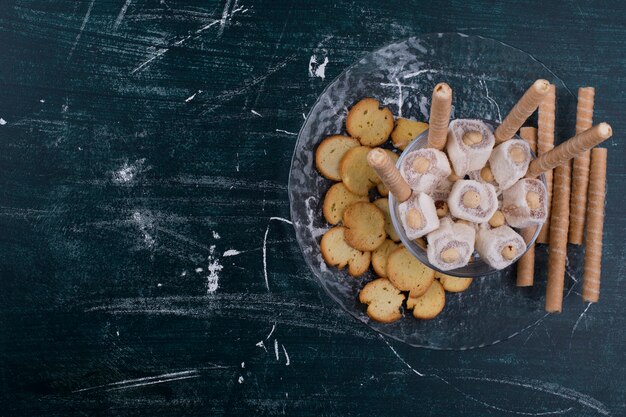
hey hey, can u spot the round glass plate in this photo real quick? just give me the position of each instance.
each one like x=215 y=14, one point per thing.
x=487 y=78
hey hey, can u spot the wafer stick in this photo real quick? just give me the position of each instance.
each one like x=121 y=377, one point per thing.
x=558 y=238
x=570 y=149
x=545 y=143
x=595 y=220
x=580 y=170
x=440 y=108
x=521 y=111
x=389 y=174
x=529 y=134
x=526 y=264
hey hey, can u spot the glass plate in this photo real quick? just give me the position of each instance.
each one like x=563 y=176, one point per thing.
x=487 y=78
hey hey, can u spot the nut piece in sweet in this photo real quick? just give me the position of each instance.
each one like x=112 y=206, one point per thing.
x=442 y=208
x=421 y=164
x=532 y=198
x=471 y=199
x=509 y=252
x=453 y=177
x=486 y=174
x=472 y=137
x=414 y=219
x=497 y=219
x=517 y=154
x=450 y=255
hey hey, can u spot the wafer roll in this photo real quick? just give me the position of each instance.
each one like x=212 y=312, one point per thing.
x=569 y=149
x=595 y=220
x=558 y=238
x=389 y=174
x=545 y=144
x=440 y=108
x=526 y=264
x=580 y=170
x=529 y=134
x=521 y=111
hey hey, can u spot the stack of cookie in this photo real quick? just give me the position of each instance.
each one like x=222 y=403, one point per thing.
x=363 y=235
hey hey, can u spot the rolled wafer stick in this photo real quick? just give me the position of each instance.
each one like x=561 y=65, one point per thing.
x=529 y=134
x=580 y=170
x=557 y=256
x=570 y=149
x=389 y=174
x=595 y=220
x=521 y=111
x=440 y=108
x=526 y=264
x=545 y=143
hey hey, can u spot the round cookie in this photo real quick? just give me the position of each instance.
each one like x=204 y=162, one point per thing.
x=430 y=304
x=329 y=153
x=406 y=131
x=383 y=300
x=383 y=205
x=380 y=255
x=355 y=172
x=365 y=226
x=337 y=198
x=453 y=284
x=369 y=124
x=336 y=252
x=407 y=273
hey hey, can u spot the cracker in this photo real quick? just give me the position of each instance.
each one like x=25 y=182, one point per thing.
x=383 y=300
x=405 y=131
x=329 y=153
x=430 y=304
x=453 y=284
x=336 y=252
x=369 y=124
x=407 y=273
x=355 y=172
x=383 y=205
x=380 y=255
x=382 y=189
x=365 y=226
x=337 y=198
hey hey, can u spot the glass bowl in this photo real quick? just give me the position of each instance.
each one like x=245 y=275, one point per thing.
x=487 y=78
x=478 y=267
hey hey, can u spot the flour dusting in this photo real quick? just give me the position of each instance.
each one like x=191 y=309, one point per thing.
x=231 y=252
x=2 y=121
x=214 y=268
x=317 y=68
x=125 y=174
x=216 y=235
x=145 y=225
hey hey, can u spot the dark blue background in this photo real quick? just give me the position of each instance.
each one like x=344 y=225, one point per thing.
x=115 y=184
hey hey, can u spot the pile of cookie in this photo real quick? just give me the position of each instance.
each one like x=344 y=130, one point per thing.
x=363 y=234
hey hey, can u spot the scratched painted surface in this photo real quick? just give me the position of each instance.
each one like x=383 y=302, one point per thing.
x=147 y=263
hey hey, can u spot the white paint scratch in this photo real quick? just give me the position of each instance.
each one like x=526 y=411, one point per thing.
x=579 y=319
x=267 y=230
x=158 y=53
x=243 y=365
x=271 y=332
x=198 y=270
x=121 y=14
x=205 y=27
x=415 y=371
x=491 y=100
x=213 y=278
x=261 y=345
x=276 y=349
x=317 y=69
x=287 y=361
x=82 y=28
x=145 y=224
x=224 y=19
x=191 y=97
x=420 y=72
x=256 y=113
x=240 y=380
x=2 y=121
x=139 y=382
x=424 y=107
x=231 y=252
x=286 y=132
x=216 y=235
x=304 y=116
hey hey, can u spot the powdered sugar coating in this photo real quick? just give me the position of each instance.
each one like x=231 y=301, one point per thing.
x=451 y=235
x=426 y=206
x=491 y=242
x=438 y=169
x=466 y=158
x=505 y=170
x=488 y=201
x=515 y=205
